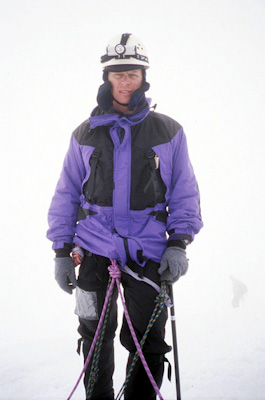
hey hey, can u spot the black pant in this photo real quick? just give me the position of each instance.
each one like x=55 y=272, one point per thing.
x=140 y=300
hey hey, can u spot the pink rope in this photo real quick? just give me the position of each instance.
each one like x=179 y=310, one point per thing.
x=115 y=274
x=114 y=267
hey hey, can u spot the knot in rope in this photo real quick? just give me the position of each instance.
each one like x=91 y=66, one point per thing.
x=114 y=270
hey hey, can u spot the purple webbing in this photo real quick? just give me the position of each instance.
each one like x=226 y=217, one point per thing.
x=95 y=338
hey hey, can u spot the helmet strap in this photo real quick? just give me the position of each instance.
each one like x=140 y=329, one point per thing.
x=124 y=38
x=121 y=104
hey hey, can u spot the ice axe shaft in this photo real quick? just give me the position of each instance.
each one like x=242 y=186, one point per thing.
x=174 y=338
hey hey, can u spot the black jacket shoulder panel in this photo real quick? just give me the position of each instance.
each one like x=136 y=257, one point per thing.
x=82 y=132
x=157 y=128
x=91 y=137
x=96 y=112
x=98 y=137
x=165 y=123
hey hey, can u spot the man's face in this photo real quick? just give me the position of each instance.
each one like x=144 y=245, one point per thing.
x=125 y=83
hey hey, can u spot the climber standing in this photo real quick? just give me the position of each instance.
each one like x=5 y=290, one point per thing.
x=128 y=192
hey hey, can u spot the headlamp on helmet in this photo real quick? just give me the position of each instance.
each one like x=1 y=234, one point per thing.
x=120 y=51
x=125 y=49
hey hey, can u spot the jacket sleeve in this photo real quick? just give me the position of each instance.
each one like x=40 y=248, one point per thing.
x=62 y=215
x=184 y=219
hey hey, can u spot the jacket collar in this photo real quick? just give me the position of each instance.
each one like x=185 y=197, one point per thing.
x=116 y=118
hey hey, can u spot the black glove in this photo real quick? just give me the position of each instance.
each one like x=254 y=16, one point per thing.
x=65 y=273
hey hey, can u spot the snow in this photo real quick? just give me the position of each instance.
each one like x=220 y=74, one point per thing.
x=207 y=72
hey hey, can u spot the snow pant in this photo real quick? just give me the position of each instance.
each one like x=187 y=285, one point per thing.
x=140 y=300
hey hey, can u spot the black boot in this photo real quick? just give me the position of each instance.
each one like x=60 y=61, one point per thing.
x=139 y=386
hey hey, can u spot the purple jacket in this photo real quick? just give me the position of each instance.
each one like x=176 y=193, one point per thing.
x=127 y=187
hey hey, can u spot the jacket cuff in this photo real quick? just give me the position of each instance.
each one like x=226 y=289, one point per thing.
x=177 y=243
x=179 y=240
x=63 y=252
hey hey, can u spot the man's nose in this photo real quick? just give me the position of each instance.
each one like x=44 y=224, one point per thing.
x=125 y=79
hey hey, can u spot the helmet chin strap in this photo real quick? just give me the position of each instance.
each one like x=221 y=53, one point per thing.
x=121 y=104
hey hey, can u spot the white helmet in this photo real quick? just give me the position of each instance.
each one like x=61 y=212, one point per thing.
x=125 y=49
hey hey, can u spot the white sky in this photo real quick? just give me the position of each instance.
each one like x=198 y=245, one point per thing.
x=207 y=72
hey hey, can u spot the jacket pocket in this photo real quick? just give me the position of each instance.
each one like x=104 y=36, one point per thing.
x=155 y=178
x=88 y=188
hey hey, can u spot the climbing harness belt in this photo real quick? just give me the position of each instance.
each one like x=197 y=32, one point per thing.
x=96 y=345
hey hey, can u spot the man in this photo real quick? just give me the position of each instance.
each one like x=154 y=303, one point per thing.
x=128 y=192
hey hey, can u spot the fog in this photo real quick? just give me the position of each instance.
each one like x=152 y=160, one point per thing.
x=207 y=72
